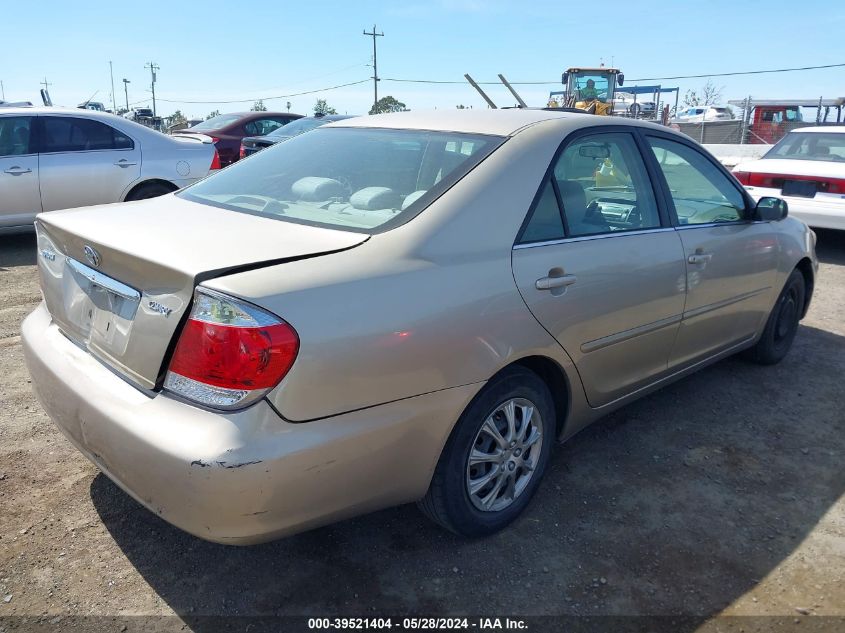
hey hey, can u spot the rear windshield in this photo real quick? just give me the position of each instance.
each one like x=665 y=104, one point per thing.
x=298 y=127
x=824 y=146
x=359 y=179
x=216 y=122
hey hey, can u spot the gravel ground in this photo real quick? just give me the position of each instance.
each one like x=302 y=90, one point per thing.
x=719 y=495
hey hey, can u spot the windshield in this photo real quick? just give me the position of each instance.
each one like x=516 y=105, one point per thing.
x=590 y=85
x=823 y=146
x=348 y=178
x=298 y=127
x=217 y=122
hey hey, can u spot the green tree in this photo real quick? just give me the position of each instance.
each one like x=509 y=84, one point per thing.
x=259 y=106
x=211 y=115
x=387 y=104
x=175 y=118
x=321 y=107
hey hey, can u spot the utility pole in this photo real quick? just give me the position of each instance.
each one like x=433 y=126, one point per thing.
x=111 y=72
x=153 y=68
x=126 y=83
x=2 y=90
x=374 y=35
x=45 y=84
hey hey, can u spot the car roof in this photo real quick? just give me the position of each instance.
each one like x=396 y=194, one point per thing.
x=840 y=129
x=499 y=122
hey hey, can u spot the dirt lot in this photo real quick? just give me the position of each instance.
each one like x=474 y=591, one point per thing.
x=722 y=494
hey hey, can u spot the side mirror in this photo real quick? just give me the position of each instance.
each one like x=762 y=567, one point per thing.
x=771 y=210
x=564 y=78
x=620 y=79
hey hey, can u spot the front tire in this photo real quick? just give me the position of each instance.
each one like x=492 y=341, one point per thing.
x=782 y=324
x=496 y=456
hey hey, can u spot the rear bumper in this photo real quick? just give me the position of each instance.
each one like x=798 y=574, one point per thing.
x=825 y=211
x=242 y=477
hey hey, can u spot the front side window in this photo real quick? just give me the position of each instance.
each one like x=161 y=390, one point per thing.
x=70 y=134
x=15 y=132
x=348 y=178
x=701 y=193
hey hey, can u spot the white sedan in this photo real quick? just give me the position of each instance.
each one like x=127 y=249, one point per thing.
x=807 y=169
x=58 y=158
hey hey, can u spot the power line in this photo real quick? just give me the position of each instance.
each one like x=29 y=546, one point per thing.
x=744 y=72
x=491 y=83
x=527 y=83
x=293 y=94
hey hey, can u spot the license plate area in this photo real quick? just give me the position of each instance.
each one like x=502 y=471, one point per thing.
x=799 y=188
x=98 y=311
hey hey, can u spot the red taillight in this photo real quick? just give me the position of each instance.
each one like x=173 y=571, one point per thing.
x=214 y=140
x=243 y=151
x=742 y=176
x=230 y=353
x=215 y=162
x=775 y=181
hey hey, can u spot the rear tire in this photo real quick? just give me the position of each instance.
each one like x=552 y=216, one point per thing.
x=506 y=469
x=149 y=190
x=782 y=325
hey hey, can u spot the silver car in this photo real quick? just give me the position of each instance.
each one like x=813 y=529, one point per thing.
x=403 y=307
x=56 y=158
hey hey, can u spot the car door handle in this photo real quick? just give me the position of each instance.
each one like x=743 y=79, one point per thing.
x=547 y=283
x=17 y=171
x=124 y=163
x=700 y=258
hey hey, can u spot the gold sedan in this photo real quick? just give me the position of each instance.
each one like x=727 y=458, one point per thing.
x=404 y=307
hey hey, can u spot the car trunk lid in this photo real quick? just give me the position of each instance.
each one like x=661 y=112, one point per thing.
x=118 y=279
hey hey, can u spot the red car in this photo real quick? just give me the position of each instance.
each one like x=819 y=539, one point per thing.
x=227 y=130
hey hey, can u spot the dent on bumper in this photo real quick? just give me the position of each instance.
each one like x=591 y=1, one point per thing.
x=241 y=477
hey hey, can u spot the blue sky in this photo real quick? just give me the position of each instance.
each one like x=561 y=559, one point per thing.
x=215 y=51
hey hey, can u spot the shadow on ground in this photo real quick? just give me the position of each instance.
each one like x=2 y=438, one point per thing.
x=677 y=504
x=17 y=250
x=830 y=246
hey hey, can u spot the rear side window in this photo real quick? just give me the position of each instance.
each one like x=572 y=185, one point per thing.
x=545 y=223
x=350 y=178
x=70 y=134
x=601 y=185
x=260 y=127
x=15 y=133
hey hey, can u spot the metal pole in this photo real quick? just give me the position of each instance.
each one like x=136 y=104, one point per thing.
x=153 y=68
x=375 y=64
x=126 y=83
x=480 y=91
x=111 y=72
x=513 y=92
x=2 y=90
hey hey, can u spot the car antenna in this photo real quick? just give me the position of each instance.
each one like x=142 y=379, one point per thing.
x=480 y=91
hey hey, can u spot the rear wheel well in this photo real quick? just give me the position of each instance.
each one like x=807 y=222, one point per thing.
x=151 y=181
x=555 y=378
x=806 y=268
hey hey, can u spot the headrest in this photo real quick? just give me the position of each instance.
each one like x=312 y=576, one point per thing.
x=371 y=198
x=313 y=188
x=411 y=198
